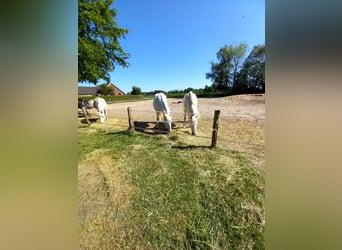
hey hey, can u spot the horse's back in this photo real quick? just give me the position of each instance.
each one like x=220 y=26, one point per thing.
x=160 y=103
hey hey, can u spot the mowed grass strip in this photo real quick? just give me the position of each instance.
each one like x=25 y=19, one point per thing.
x=149 y=192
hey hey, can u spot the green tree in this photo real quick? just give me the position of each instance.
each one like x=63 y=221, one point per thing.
x=209 y=89
x=188 y=89
x=252 y=75
x=136 y=91
x=104 y=89
x=224 y=73
x=99 y=50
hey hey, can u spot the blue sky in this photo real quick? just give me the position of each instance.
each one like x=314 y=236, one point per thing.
x=172 y=42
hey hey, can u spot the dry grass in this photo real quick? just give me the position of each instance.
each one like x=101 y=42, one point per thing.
x=104 y=197
x=139 y=191
x=244 y=136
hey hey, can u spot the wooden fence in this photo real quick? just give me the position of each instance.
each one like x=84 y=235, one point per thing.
x=131 y=125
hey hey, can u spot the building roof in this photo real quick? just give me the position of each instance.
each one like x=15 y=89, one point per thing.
x=114 y=86
x=87 y=90
x=93 y=90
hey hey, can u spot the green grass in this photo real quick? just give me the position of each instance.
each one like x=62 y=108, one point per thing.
x=149 y=192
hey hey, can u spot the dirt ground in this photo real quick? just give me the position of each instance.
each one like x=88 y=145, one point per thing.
x=241 y=128
x=240 y=107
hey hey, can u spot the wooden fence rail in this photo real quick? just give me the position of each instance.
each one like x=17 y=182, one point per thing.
x=216 y=122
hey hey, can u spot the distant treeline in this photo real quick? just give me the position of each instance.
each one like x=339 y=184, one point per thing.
x=170 y=94
x=119 y=98
x=198 y=92
x=210 y=91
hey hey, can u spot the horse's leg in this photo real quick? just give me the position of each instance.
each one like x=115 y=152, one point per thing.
x=157 y=120
x=85 y=114
x=184 y=119
x=106 y=114
x=167 y=122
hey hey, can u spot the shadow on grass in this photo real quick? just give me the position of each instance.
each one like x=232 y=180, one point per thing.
x=91 y=120
x=190 y=147
x=151 y=128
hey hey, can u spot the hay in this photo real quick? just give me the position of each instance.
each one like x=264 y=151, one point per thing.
x=104 y=197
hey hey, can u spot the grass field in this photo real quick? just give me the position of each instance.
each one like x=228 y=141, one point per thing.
x=139 y=191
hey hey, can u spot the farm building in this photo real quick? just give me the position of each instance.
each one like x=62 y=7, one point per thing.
x=89 y=91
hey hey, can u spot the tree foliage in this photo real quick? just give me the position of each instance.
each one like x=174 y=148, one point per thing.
x=236 y=75
x=252 y=75
x=136 y=91
x=224 y=72
x=99 y=50
x=104 y=89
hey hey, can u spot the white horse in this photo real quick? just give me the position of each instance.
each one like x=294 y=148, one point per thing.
x=162 y=109
x=101 y=106
x=191 y=110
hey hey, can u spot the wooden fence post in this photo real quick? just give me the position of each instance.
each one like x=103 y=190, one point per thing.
x=130 y=118
x=215 y=128
x=85 y=114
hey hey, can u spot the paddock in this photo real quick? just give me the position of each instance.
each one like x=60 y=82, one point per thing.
x=241 y=126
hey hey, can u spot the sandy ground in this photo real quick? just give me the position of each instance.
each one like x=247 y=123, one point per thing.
x=242 y=120
x=241 y=107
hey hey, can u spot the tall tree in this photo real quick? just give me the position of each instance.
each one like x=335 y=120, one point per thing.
x=252 y=75
x=224 y=72
x=99 y=50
